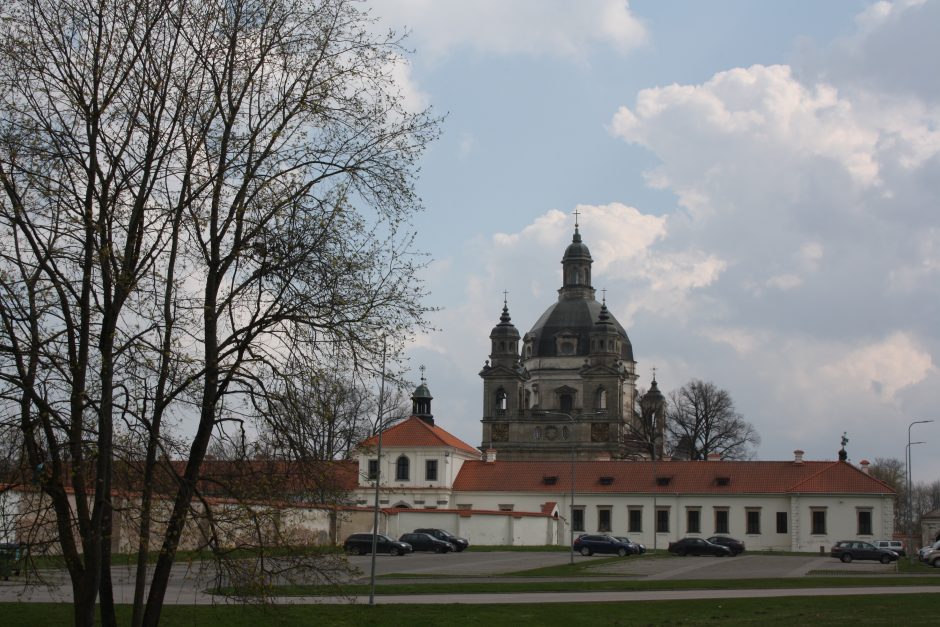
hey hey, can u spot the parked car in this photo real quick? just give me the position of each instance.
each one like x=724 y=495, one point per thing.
x=848 y=550
x=638 y=548
x=892 y=545
x=922 y=553
x=698 y=546
x=589 y=544
x=459 y=543
x=736 y=546
x=933 y=558
x=426 y=542
x=361 y=543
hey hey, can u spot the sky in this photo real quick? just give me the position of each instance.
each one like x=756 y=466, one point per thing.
x=757 y=183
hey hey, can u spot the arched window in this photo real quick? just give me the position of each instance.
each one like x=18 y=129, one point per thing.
x=402 y=469
x=502 y=401
x=601 y=399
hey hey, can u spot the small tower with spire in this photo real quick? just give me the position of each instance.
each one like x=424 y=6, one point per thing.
x=503 y=378
x=653 y=416
x=576 y=268
x=421 y=401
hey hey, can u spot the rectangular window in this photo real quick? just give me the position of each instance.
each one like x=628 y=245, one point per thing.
x=577 y=519
x=662 y=521
x=864 y=522
x=635 y=522
x=782 y=522
x=752 y=520
x=603 y=518
x=373 y=469
x=430 y=470
x=506 y=507
x=721 y=520
x=693 y=520
x=819 y=522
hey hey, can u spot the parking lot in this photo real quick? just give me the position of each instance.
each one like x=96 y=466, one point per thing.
x=188 y=585
x=746 y=566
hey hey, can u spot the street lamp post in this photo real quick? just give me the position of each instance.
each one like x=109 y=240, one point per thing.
x=910 y=500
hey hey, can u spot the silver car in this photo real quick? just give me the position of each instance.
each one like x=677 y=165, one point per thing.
x=933 y=558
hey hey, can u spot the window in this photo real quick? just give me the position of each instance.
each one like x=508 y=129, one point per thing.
x=373 y=469
x=430 y=470
x=603 y=518
x=819 y=522
x=635 y=520
x=781 y=522
x=662 y=521
x=693 y=520
x=864 y=522
x=567 y=402
x=752 y=520
x=577 y=519
x=502 y=401
x=402 y=469
x=506 y=507
x=601 y=398
x=721 y=520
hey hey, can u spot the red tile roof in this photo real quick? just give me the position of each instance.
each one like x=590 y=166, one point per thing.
x=415 y=432
x=699 y=477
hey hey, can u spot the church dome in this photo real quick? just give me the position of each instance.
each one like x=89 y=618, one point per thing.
x=577 y=250
x=565 y=330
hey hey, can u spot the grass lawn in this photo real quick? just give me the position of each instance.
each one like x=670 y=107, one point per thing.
x=593 y=585
x=849 y=610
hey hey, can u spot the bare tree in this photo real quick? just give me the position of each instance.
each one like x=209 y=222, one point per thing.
x=702 y=420
x=192 y=192
x=892 y=471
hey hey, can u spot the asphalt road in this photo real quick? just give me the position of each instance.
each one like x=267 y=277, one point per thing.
x=187 y=584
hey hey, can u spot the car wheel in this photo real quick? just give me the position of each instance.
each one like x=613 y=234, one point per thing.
x=885 y=559
x=394 y=551
x=681 y=552
x=585 y=551
x=936 y=562
x=440 y=549
x=362 y=551
x=846 y=558
x=622 y=552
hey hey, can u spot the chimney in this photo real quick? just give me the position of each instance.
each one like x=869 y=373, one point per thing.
x=797 y=456
x=490 y=455
x=864 y=464
x=714 y=457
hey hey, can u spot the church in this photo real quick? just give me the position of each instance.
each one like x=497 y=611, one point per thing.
x=573 y=386
x=567 y=447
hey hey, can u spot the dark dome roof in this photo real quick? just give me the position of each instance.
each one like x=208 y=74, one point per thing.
x=422 y=391
x=505 y=328
x=576 y=249
x=577 y=315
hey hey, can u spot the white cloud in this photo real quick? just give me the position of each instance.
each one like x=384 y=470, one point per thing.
x=414 y=99
x=529 y=27
x=880 y=369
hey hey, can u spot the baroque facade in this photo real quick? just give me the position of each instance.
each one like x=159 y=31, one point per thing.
x=568 y=386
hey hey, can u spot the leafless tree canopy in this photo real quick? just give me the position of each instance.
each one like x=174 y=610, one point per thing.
x=192 y=192
x=702 y=420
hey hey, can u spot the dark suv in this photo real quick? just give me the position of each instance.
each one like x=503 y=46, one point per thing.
x=361 y=543
x=459 y=543
x=590 y=544
x=848 y=550
x=426 y=542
